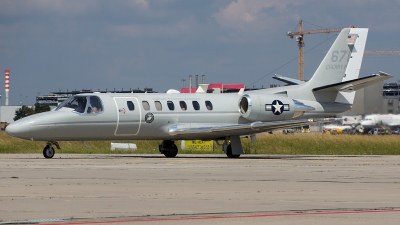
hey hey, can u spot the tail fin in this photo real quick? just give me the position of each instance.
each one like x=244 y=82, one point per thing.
x=354 y=66
x=345 y=56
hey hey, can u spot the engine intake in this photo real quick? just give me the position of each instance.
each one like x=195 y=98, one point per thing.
x=262 y=107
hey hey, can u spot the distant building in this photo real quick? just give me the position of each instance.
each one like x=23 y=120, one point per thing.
x=7 y=113
x=376 y=99
x=367 y=101
x=391 y=98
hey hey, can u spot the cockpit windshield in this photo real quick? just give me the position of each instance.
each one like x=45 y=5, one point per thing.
x=82 y=104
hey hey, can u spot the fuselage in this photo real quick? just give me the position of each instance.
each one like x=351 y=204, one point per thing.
x=150 y=116
x=378 y=120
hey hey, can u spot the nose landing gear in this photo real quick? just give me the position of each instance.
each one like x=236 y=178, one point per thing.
x=48 y=151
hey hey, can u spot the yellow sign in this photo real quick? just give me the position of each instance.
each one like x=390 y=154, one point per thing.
x=197 y=145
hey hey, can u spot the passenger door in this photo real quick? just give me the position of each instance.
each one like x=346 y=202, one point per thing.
x=128 y=116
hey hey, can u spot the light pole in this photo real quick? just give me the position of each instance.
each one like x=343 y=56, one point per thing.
x=398 y=97
x=0 y=108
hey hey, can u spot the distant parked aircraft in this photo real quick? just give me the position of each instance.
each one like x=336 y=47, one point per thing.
x=379 y=120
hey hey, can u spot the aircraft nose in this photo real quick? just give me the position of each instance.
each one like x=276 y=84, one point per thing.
x=19 y=130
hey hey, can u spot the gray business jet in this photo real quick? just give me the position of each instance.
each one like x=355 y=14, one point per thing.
x=224 y=117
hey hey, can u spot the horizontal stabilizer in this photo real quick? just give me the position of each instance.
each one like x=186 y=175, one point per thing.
x=356 y=84
x=287 y=80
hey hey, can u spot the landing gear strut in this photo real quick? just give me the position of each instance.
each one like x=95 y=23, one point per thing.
x=48 y=151
x=168 y=148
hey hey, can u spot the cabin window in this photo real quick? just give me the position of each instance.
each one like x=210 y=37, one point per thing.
x=146 y=105
x=196 y=105
x=171 y=105
x=183 y=105
x=209 y=105
x=131 y=106
x=158 y=105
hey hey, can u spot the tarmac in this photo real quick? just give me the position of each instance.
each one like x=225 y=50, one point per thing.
x=198 y=189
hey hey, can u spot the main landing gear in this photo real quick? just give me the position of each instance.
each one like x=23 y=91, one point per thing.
x=229 y=152
x=48 y=151
x=232 y=147
x=168 y=148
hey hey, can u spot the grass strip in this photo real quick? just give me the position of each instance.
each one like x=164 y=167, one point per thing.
x=272 y=144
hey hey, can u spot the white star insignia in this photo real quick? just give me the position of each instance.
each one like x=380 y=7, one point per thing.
x=277 y=107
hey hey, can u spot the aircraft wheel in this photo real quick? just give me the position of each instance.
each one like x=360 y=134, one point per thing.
x=229 y=152
x=172 y=152
x=48 y=152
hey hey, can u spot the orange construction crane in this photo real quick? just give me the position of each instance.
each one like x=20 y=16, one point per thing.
x=300 y=42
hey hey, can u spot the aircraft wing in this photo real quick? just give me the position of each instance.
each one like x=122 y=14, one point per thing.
x=239 y=129
x=356 y=84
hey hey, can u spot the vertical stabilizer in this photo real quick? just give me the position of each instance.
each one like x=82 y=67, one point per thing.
x=333 y=66
x=357 y=37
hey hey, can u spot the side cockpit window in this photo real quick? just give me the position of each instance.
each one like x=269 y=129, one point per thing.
x=82 y=101
x=82 y=104
x=95 y=105
x=77 y=103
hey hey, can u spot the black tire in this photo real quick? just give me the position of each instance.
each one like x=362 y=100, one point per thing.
x=48 y=152
x=172 y=152
x=229 y=152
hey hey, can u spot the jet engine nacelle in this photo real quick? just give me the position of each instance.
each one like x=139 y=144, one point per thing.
x=261 y=107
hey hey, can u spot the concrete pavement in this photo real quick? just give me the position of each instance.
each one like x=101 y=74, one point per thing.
x=193 y=189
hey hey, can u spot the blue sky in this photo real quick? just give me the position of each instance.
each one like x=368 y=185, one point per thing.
x=52 y=45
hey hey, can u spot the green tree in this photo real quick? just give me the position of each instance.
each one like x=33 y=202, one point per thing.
x=25 y=111
x=39 y=108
